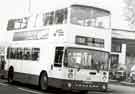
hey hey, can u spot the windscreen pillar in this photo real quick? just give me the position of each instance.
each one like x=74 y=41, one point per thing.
x=122 y=56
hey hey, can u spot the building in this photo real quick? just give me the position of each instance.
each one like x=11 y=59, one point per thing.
x=123 y=49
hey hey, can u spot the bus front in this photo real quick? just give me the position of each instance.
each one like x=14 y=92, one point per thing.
x=89 y=26
x=88 y=67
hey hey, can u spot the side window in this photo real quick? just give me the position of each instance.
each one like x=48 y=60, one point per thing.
x=23 y=53
x=48 y=18
x=8 y=52
x=26 y=55
x=35 y=53
x=17 y=52
x=20 y=23
x=58 y=56
x=61 y=16
x=12 y=53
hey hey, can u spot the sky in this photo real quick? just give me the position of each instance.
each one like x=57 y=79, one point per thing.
x=19 y=8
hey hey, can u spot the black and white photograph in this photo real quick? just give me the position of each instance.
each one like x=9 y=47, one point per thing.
x=67 y=47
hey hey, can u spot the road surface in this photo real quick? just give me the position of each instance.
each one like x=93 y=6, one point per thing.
x=18 y=88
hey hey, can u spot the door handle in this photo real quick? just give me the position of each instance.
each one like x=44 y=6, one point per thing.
x=51 y=67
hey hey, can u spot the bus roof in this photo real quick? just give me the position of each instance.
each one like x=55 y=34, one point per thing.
x=58 y=4
x=91 y=7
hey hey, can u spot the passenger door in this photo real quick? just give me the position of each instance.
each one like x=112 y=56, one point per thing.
x=56 y=67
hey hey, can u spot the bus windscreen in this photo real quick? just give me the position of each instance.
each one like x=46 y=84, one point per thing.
x=86 y=59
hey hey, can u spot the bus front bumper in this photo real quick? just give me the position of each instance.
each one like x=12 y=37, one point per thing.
x=79 y=85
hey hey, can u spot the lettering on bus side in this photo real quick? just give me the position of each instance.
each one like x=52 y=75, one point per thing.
x=23 y=53
x=30 y=35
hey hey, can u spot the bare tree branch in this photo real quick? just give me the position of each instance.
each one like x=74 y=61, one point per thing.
x=130 y=11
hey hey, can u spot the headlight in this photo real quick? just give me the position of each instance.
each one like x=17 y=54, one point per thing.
x=70 y=75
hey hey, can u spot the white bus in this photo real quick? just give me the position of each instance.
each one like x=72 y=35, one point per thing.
x=66 y=48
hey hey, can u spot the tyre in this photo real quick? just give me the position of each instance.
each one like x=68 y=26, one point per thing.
x=43 y=81
x=83 y=92
x=10 y=75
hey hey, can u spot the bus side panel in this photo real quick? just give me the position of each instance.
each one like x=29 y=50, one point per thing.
x=31 y=70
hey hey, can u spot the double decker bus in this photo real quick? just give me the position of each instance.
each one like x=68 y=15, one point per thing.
x=65 y=48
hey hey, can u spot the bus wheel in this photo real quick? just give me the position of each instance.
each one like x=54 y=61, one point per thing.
x=43 y=81
x=83 y=92
x=10 y=75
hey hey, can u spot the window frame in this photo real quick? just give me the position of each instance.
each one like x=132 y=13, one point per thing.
x=59 y=64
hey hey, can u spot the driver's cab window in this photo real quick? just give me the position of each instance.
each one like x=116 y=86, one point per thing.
x=58 y=56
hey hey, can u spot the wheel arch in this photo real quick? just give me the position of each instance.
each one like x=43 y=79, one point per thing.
x=11 y=68
x=43 y=71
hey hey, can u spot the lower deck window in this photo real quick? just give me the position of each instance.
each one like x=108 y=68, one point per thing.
x=23 y=53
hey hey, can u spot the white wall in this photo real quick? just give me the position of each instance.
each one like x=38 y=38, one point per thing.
x=122 y=55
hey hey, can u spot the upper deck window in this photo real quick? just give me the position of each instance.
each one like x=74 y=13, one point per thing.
x=61 y=16
x=14 y=24
x=89 y=16
x=55 y=17
x=48 y=18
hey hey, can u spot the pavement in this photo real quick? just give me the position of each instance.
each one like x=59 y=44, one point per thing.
x=122 y=83
x=127 y=83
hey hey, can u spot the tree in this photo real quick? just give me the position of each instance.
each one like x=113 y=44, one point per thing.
x=130 y=11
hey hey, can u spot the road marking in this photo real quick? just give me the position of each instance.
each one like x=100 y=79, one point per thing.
x=31 y=91
x=3 y=84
